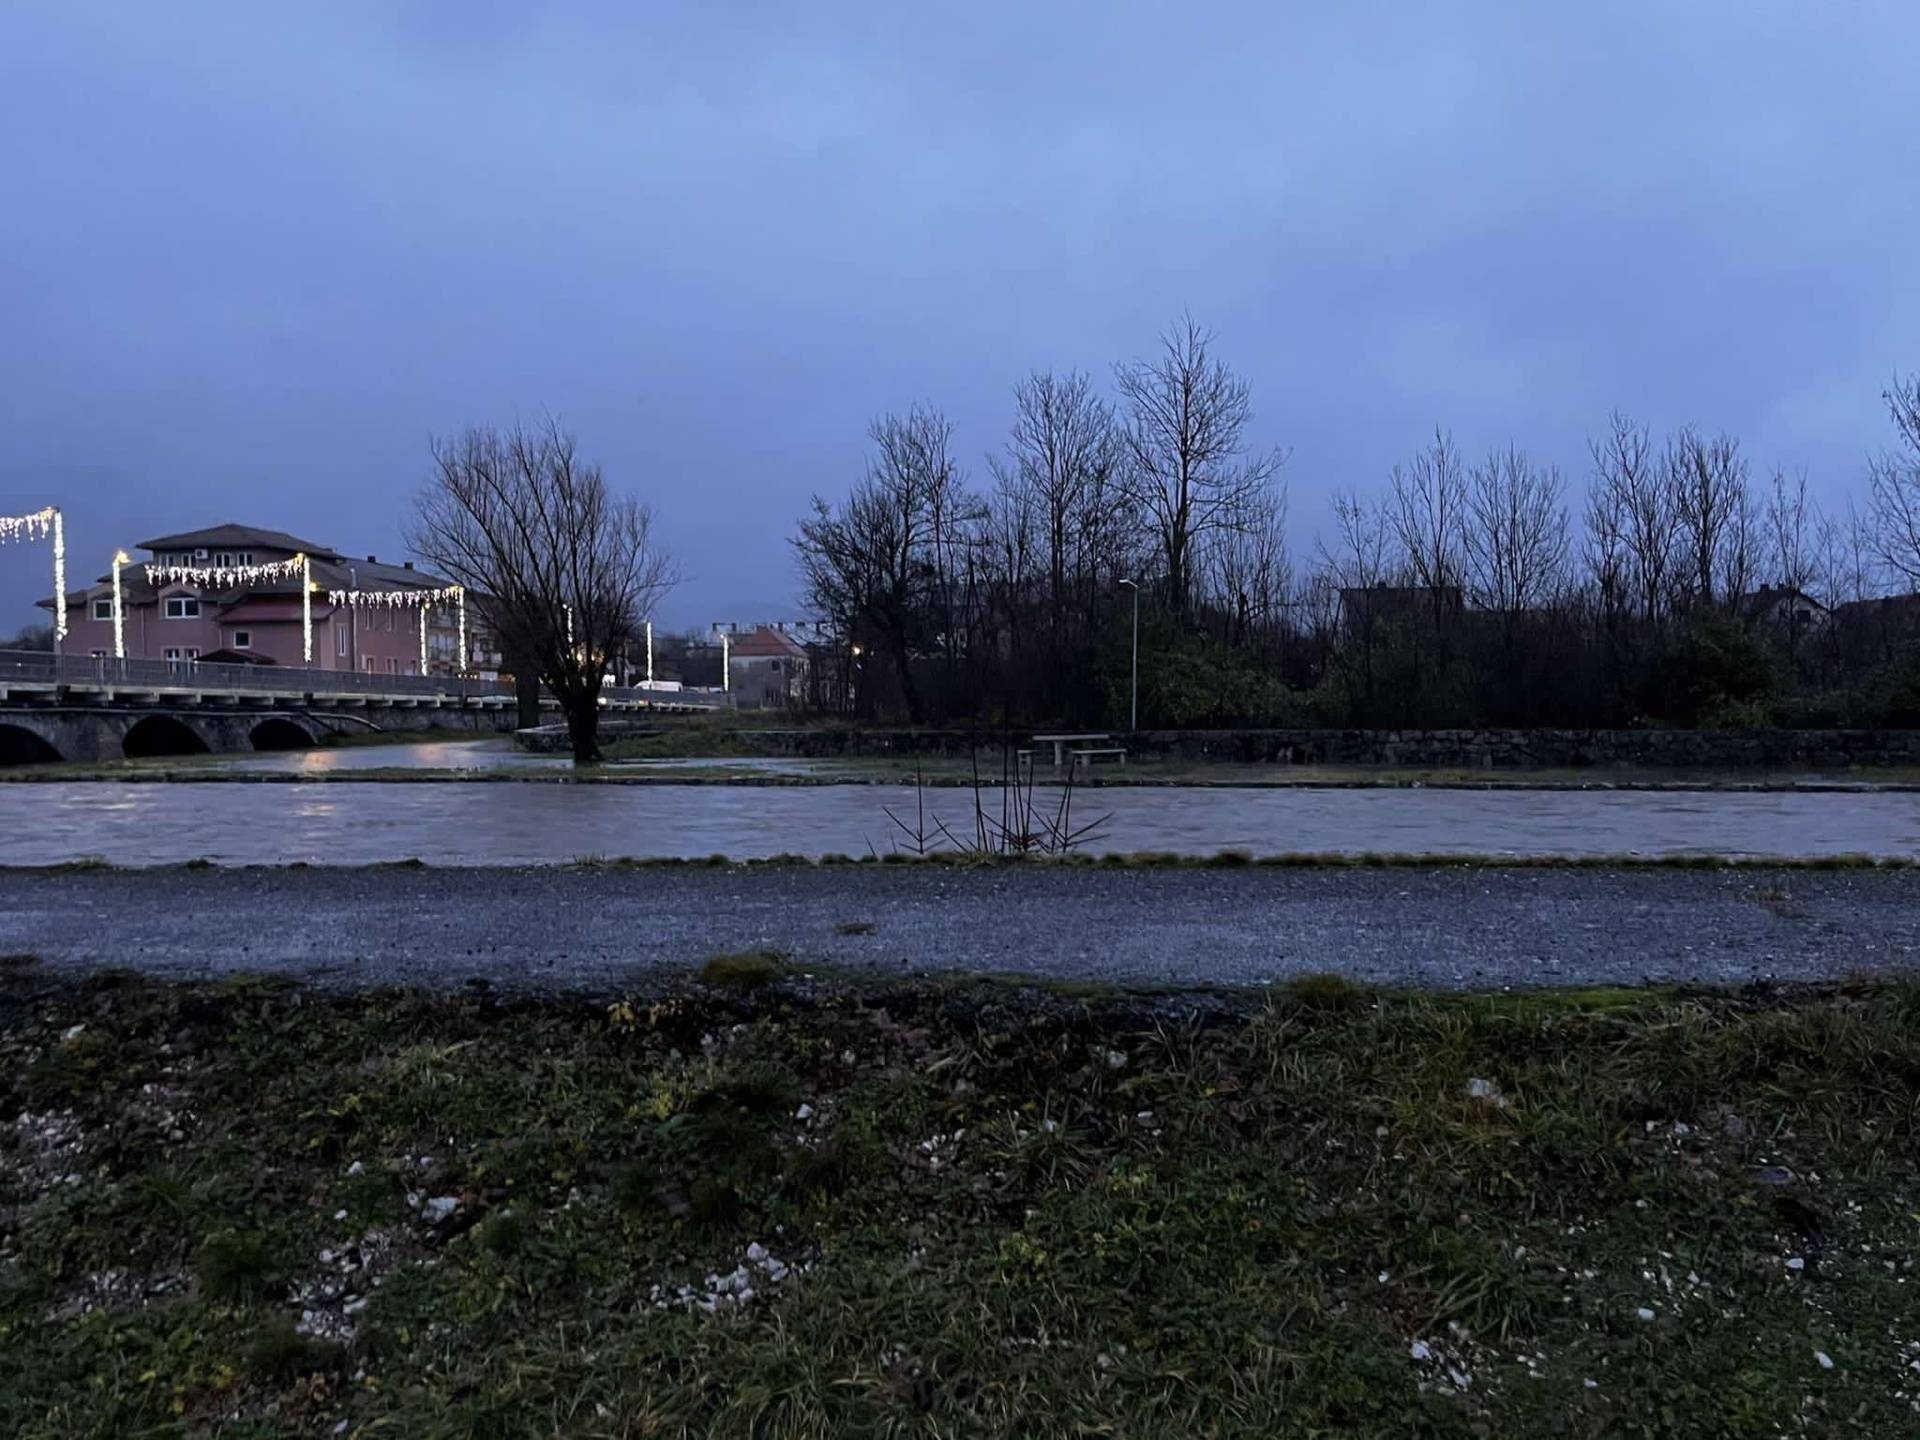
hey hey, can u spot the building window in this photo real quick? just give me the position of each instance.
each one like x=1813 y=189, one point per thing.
x=103 y=609
x=245 y=557
x=339 y=641
x=183 y=607
x=243 y=639
x=97 y=654
x=178 y=655
x=223 y=559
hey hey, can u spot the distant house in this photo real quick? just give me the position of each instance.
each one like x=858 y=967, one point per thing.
x=1364 y=606
x=766 y=667
x=1785 y=608
x=261 y=622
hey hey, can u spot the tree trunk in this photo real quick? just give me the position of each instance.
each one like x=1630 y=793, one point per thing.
x=526 y=693
x=583 y=731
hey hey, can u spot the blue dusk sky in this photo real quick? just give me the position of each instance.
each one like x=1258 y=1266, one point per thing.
x=255 y=255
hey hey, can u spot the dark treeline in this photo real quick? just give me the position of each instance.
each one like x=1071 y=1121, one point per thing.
x=1675 y=586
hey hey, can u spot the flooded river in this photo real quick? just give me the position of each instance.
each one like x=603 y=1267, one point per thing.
x=345 y=822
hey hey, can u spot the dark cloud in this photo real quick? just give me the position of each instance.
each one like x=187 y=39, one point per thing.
x=254 y=256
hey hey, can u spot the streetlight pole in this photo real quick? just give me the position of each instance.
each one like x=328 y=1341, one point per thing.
x=1133 y=715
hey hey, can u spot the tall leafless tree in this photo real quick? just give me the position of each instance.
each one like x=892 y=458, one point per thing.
x=1061 y=472
x=887 y=566
x=565 y=570
x=1631 y=524
x=1791 y=533
x=1713 y=506
x=1516 y=533
x=1893 y=479
x=1189 y=468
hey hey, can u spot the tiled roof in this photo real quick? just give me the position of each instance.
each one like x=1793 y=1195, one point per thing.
x=229 y=535
x=766 y=642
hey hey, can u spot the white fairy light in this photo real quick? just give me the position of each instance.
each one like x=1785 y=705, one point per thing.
x=37 y=526
x=649 y=652
x=395 y=599
x=423 y=600
x=59 y=578
x=119 y=609
x=226 y=577
x=306 y=611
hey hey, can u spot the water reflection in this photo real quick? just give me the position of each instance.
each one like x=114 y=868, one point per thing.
x=345 y=822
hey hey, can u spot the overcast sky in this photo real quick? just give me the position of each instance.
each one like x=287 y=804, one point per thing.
x=253 y=256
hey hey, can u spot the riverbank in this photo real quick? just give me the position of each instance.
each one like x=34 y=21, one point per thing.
x=611 y=927
x=776 y=1208
x=952 y=776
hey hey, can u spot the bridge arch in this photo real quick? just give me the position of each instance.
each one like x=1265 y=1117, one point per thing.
x=277 y=732
x=22 y=746
x=162 y=735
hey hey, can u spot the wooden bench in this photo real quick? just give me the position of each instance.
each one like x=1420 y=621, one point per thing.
x=1115 y=752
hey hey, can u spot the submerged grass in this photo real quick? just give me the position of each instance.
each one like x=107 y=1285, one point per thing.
x=959 y=1208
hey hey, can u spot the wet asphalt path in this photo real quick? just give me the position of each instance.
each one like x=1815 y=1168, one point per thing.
x=599 y=930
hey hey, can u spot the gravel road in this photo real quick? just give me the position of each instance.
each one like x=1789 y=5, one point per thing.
x=562 y=928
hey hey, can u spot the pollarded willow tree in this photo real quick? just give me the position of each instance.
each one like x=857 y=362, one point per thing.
x=565 y=571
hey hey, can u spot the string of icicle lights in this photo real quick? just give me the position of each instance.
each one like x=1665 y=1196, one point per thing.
x=225 y=577
x=37 y=526
x=398 y=599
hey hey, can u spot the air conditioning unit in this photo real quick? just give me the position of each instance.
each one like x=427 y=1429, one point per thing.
x=200 y=554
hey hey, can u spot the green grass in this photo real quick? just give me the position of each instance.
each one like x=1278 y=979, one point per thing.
x=985 y=1209
x=746 y=970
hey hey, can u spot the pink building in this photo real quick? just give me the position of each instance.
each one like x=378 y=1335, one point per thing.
x=260 y=623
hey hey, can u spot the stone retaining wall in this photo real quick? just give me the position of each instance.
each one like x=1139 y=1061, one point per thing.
x=1439 y=749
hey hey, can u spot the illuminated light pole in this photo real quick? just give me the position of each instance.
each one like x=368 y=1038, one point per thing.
x=423 y=638
x=306 y=610
x=120 y=557
x=462 y=596
x=726 y=662
x=649 y=654
x=59 y=580
x=1133 y=716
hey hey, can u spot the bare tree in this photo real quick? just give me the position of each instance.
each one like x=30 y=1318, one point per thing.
x=1343 y=594
x=1631 y=524
x=882 y=567
x=1249 y=572
x=1189 y=469
x=1061 y=472
x=565 y=570
x=1516 y=533
x=1893 y=479
x=1791 y=532
x=1713 y=507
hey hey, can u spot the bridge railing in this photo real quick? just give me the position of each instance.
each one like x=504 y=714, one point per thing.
x=41 y=667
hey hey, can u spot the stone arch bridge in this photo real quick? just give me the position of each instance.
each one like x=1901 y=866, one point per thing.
x=55 y=707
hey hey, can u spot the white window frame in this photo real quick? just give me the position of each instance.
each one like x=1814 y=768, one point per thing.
x=103 y=607
x=243 y=639
x=189 y=607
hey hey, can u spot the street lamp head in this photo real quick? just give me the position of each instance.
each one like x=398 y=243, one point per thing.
x=120 y=557
x=1130 y=584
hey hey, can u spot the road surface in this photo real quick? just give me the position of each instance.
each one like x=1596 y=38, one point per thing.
x=603 y=929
